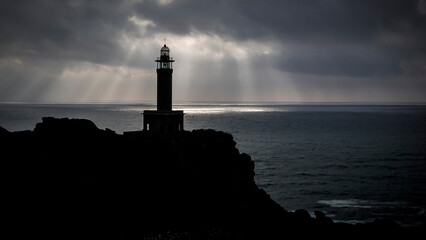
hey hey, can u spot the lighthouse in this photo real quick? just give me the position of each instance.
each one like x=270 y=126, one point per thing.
x=164 y=119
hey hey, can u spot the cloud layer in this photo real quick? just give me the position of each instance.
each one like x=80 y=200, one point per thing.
x=237 y=50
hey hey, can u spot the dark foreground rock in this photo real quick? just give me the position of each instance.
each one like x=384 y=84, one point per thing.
x=68 y=179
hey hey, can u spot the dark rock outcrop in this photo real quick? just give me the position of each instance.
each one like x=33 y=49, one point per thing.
x=69 y=179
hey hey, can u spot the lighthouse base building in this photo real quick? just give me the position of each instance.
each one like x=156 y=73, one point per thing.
x=163 y=121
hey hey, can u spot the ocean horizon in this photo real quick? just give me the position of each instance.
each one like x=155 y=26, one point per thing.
x=356 y=162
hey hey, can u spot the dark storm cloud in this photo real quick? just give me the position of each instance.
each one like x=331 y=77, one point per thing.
x=70 y=30
x=321 y=27
x=89 y=30
x=306 y=21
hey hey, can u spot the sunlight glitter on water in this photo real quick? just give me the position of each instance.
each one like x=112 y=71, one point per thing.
x=213 y=109
x=220 y=110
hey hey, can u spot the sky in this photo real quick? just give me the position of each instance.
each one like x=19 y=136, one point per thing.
x=71 y=51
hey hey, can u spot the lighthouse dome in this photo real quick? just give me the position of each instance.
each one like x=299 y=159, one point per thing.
x=165 y=48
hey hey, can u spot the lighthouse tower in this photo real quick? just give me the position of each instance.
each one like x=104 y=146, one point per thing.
x=164 y=119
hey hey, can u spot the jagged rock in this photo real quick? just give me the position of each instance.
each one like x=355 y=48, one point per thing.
x=303 y=216
x=3 y=131
x=322 y=219
x=65 y=126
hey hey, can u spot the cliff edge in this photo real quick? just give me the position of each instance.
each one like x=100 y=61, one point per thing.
x=69 y=179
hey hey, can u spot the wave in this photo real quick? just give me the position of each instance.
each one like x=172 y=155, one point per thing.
x=358 y=203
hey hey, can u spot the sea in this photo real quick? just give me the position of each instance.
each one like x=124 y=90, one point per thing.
x=354 y=162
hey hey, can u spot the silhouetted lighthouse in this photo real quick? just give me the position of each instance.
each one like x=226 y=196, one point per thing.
x=164 y=120
x=164 y=79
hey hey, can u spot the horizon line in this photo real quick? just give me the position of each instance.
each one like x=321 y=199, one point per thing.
x=221 y=102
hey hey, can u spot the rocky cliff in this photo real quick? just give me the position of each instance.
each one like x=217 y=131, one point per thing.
x=69 y=179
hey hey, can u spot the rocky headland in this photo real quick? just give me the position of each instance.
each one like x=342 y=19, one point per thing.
x=69 y=179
